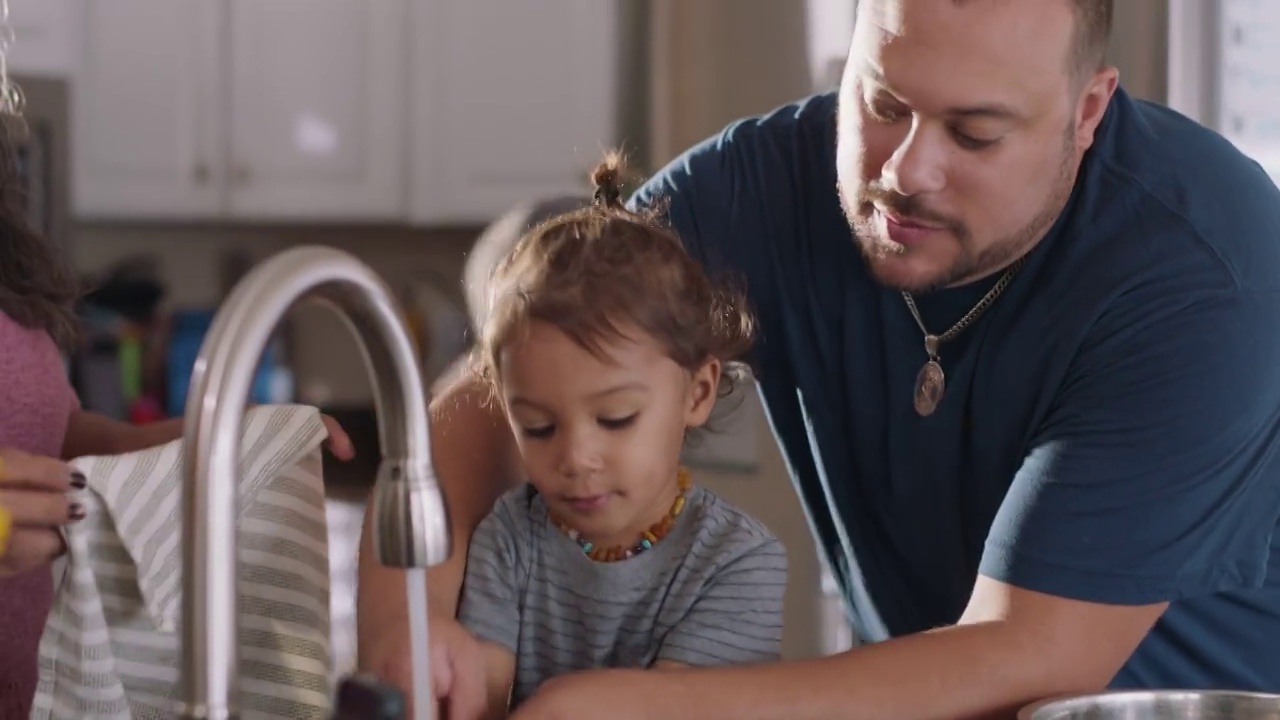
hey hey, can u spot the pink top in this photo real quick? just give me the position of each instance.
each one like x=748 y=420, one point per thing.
x=35 y=403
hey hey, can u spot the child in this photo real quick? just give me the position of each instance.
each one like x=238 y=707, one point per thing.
x=606 y=343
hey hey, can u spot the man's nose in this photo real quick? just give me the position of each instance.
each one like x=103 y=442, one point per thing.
x=916 y=166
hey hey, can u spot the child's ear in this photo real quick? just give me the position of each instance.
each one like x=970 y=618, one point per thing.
x=703 y=385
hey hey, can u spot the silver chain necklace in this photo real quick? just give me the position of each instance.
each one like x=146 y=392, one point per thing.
x=931 y=382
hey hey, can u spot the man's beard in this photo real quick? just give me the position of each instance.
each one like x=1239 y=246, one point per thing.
x=970 y=265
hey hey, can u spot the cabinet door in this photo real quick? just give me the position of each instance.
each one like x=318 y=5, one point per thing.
x=512 y=101
x=317 y=109
x=146 y=119
x=44 y=34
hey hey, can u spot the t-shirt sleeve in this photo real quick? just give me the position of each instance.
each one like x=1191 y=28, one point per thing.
x=490 y=604
x=711 y=196
x=1154 y=476
x=737 y=618
x=735 y=199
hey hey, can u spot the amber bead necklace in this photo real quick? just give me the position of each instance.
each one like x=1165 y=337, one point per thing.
x=648 y=538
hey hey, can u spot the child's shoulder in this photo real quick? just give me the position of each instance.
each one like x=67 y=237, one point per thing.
x=727 y=532
x=515 y=508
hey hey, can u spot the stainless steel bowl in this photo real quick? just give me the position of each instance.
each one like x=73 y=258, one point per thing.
x=1158 y=705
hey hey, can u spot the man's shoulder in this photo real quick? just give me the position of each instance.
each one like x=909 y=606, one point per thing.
x=753 y=150
x=1182 y=196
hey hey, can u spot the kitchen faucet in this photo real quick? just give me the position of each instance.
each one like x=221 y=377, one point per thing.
x=410 y=523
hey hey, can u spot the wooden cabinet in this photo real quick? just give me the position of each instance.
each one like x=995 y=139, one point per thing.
x=248 y=109
x=317 y=109
x=44 y=37
x=511 y=102
x=424 y=111
x=146 y=112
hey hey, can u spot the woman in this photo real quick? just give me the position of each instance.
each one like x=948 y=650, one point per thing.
x=41 y=425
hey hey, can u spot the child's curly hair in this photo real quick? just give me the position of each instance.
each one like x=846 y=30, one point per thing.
x=594 y=271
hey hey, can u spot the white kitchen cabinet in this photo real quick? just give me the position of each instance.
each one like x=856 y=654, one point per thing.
x=241 y=110
x=43 y=34
x=317 y=109
x=426 y=111
x=511 y=101
x=147 y=119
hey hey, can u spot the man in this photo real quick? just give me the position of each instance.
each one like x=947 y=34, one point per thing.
x=1031 y=402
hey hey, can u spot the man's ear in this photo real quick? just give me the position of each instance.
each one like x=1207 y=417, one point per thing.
x=1092 y=105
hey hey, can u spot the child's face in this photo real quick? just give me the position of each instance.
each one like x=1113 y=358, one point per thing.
x=601 y=440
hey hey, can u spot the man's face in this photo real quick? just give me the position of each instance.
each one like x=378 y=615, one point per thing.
x=961 y=129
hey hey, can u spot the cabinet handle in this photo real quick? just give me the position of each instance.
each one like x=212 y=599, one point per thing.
x=201 y=173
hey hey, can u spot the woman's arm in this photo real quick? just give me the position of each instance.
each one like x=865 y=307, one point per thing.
x=89 y=433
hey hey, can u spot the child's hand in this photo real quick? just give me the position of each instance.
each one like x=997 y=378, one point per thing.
x=457 y=670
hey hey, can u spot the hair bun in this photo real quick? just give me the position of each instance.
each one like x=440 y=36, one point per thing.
x=607 y=179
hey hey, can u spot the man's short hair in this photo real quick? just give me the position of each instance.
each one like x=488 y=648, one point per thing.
x=1092 y=34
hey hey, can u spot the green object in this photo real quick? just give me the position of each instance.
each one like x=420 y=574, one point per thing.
x=130 y=355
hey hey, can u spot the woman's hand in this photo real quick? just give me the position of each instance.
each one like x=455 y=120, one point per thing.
x=34 y=503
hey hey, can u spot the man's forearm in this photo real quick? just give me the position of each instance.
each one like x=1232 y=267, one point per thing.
x=474 y=459
x=960 y=673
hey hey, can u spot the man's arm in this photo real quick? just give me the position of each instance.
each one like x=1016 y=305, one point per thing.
x=475 y=461
x=990 y=665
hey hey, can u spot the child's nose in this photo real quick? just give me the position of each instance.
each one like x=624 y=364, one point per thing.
x=578 y=456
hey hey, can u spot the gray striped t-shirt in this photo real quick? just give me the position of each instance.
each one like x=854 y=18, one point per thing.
x=710 y=593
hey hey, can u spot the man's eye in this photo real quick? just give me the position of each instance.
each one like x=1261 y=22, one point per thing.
x=884 y=114
x=969 y=142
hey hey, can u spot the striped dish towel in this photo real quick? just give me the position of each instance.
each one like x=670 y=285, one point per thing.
x=111 y=647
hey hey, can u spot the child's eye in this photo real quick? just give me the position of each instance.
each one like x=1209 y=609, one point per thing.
x=618 y=423
x=539 y=432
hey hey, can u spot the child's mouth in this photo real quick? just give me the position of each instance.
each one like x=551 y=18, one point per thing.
x=587 y=503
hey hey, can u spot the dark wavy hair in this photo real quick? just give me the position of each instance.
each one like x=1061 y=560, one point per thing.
x=38 y=289
x=594 y=271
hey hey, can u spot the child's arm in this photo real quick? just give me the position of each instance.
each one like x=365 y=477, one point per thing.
x=737 y=618
x=500 y=675
x=490 y=604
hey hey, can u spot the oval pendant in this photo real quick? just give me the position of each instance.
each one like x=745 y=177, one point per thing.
x=930 y=385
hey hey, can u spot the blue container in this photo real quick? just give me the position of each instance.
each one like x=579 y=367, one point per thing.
x=189 y=328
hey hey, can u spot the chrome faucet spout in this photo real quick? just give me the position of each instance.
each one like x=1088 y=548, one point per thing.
x=411 y=526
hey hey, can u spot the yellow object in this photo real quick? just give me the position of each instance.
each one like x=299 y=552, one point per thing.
x=6 y=525
x=6 y=520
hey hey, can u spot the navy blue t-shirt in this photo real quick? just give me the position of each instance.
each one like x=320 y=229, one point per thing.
x=1111 y=425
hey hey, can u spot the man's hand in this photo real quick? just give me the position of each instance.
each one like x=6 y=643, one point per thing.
x=457 y=668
